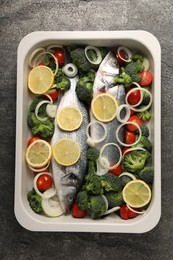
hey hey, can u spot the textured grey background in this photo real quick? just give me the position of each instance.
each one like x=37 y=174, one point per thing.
x=18 y=18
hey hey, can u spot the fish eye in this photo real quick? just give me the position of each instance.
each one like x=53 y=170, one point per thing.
x=70 y=198
x=114 y=63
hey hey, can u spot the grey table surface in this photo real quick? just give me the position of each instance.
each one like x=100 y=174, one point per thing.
x=18 y=18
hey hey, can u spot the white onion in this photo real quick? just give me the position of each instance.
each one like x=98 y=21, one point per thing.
x=127 y=174
x=135 y=211
x=48 y=193
x=128 y=123
x=51 y=110
x=39 y=170
x=106 y=201
x=132 y=90
x=102 y=159
x=91 y=141
x=100 y=170
x=119 y=109
x=33 y=56
x=146 y=64
x=43 y=119
x=98 y=53
x=70 y=70
x=52 y=207
x=127 y=51
x=111 y=210
x=134 y=149
x=53 y=47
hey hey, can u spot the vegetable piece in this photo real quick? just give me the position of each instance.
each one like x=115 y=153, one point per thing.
x=80 y=60
x=127 y=115
x=82 y=199
x=93 y=185
x=93 y=154
x=130 y=137
x=40 y=118
x=147 y=174
x=145 y=115
x=53 y=93
x=93 y=55
x=133 y=68
x=32 y=139
x=51 y=110
x=97 y=206
x=134 y=119
x=126 y=213
x=119 y=55
x=52 y=207
x=49 y=60
x=114 y=199
x=146 y=64
x=70 y=70
x=34 y=201
x=144 y=130
x=138 y=57
x=59 y=54
x=44 y=182
x=126 y=51
x=146 y=98
x=92 y=141
x=59 y=75
x=47 y=193
x=64 y=84
x=35 y=102
x=124 y=79
x=77 y=212
x=33 y=56
x=134 y=97
x=146 y=78
x=145 y=143
x=110 y=182
x=116 y=171
x=135 y=161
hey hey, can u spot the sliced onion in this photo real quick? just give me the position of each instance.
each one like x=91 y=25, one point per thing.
x=111 y=210
x=119 y=109
x=146 y=64
x=43 y=119
x=134 y=149
x=51 y=207
x=51 y=48
x=106 y=201
x=141 y=96
x=128 y=123
x=70 y=70
x=39 y=170
x=98 y=53
x=105 y=164
x=55 y=59
x=127 y=51
x=48 y=193
x=51 y=110
x=127 y=174
x=49 y=97
x=33 y=55
x=135 y=211
x=100 y=170
x=91 y=141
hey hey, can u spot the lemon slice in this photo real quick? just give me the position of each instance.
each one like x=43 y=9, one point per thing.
x=69 y=118
x=38 y=154
x=137 y=193
x=40 y=79
x=66 y=151
x=104 y=107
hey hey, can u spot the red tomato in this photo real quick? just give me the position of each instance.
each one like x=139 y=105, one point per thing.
x=132 y=112
x=77 y=212
x=53 y=93
x=59 y=54
x=146 y=78
x=135 y=119
x=41 y=64
x=123 y=55
x=126 y=213
x=32 y=139
x=44 y=182
x=116 y=171
x=130 y=137
x=134 y=97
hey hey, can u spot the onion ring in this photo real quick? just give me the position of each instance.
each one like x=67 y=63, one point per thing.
x=127 y=51
x=48 y=193
x=70 y=70
x=133 y=149
x=91 y=141
x=135 y=211
x=102 y=159
x=42 y=119
x=127 y=174
x=33 y=54
x=119 y=109
x=98 y=53
x=39 y=170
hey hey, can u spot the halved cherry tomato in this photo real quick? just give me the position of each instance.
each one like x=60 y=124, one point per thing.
x=53 y=93
x=116 y=171
x=77 y=212
x=134 y=97
x=126 y=213
x=44 y=182
x=146 y=78
x=123 y=55
x=32 y=139
x=132 y=112
x=135 y=119
x=59 y=54
x=130 y=137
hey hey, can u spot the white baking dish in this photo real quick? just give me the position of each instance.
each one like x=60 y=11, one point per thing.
x=139 y=40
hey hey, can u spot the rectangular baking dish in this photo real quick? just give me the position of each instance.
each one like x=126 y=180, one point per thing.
x=139 y=40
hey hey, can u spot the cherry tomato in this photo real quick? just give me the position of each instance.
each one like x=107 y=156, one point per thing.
x=135 y=119
x=146 y=78
x=77 y=212
x=44 y=182
x=126 y=213
x=116 y=171
x=59 y=54
x=41 y=64
x=32 y=139
x=134 y=97
x=132 y=112
x=130 y=137
x=123 y=55
x=53 y=93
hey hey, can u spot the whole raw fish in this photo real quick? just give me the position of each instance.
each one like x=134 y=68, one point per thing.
x=68 y=180
x=104 y=82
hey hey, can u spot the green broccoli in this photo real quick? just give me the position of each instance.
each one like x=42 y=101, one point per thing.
x=93 y=185
x=145 y=115
x=111 y=182
x=64 y=84
x=133 y=68
x=135 y=161
x=103 y=51
x=34 y=201
x=145 y=143
x=146 y=98
x=35 y=102
x=93 y=154
x=125 y=179
x=147 y=174
x=124 y=79
x=32 y=120
x=137 y=57
x=144 y=129
x=49 y=61
x=97 y=206
x=135 y=77
x=80 y=60
x=59 y=75
x=82 y=199
x=114 y=199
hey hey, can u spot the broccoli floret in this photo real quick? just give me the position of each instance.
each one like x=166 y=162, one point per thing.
x=146 y=98
x=124 y=79
x=147 y=174
x=103 y=51
x=64 y=84
x=34 y=201
x=133 y=68
x=97 y=206
x=34 y=103
x=145 y=143
x=32 y=120
x=93 y=185
x=59 y=75
x=137 y=57
x=49 y=61
x=93 y=154
x=80 y=60
x=114 y=199
x=144 y=130
x=82 y=199
x=145 y=115
x=111 y=182
x=135 y=77
x=125 y=179
x=45 y=129
x=135 y=161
